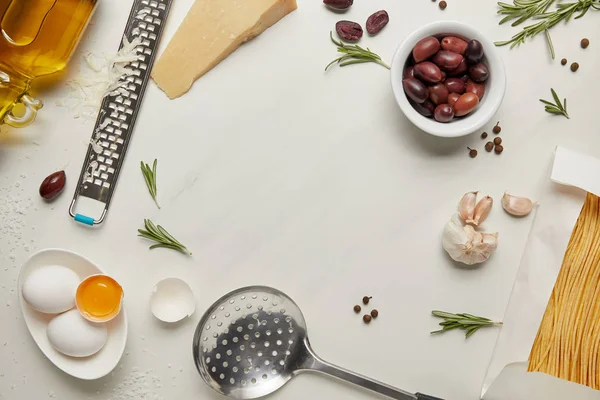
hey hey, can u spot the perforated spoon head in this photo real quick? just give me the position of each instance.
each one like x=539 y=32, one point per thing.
x=250 y=342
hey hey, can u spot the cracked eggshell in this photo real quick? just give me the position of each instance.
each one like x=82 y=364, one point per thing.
x=172 y=300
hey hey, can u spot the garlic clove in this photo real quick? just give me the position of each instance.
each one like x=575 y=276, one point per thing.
x=517 y=206
x=455 y=237
x=466 y=206
x=482 y=210
x=484 y=247
x=464 y=244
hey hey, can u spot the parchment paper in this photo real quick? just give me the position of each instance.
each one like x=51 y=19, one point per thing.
x=573 y=175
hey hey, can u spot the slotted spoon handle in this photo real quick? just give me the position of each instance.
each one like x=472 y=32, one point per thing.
x=314 y=363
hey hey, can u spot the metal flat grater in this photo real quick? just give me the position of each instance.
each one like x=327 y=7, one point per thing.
x=117 y=115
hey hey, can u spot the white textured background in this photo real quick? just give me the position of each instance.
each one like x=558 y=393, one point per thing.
x=274 y=172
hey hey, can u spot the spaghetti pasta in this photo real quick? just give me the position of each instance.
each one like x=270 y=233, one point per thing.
x=568 y=340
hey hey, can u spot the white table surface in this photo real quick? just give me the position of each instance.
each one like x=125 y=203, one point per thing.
x=274 y=172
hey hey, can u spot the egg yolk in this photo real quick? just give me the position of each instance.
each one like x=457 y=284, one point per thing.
x=99 y=297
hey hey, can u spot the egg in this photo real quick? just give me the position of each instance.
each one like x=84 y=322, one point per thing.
x=172 y=300
x=72 y=335
x=51 y=289
x=99 y=298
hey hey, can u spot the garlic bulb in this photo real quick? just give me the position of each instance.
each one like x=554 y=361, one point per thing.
x=464 y=244
x=466 y=206
x=517 y=206
x=482 y=210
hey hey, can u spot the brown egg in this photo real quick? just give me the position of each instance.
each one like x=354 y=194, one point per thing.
x=465 y=104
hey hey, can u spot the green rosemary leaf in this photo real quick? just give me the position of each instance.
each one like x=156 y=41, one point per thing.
x=443 y=314
x=475 y=317
x=163 y=238
x=521 y=11
x=556 y=108
x=467 y=322
x=150 y=178
x=354 y=54
x=471 y=331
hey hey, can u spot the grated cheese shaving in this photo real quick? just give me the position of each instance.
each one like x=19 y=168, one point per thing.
x=96 y=146
x=101 y=76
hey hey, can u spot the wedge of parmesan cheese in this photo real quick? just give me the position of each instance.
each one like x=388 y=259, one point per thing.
x=211 y=31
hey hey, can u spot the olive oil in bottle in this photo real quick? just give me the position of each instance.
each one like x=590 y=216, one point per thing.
x=37 y=37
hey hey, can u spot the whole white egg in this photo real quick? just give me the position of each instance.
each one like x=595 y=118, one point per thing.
x=73 y=335
x=51 y=289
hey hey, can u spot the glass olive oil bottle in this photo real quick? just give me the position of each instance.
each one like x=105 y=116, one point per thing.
x=37 y=37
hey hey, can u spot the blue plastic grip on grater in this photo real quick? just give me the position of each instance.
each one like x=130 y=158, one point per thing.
x=84 y=220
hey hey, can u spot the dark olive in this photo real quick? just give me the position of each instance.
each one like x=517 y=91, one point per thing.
x=453 y=98
x=425 y=109
x=415 y=89
x=455 y=85
x=477 y=88
x=474 y=52
x=425 y=48
x=428 y=72
x=461 y=69
x=443 y=113
x=454 y=44
x=53 y=185
x=377 y=22
x=408 y=72
x=465 y=104
x=447 y=60
x=349 y=31
x=479 y=72
x=438 y=93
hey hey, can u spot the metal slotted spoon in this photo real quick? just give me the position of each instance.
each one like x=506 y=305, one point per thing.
x=253 y=340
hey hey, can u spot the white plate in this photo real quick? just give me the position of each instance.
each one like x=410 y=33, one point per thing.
x=93 y=367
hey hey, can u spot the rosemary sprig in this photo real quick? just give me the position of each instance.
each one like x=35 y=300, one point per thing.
x=163 y=238
x=354 y=54
x=469 y=323
x=557 y=107
x=522 y=10
x=150 y=178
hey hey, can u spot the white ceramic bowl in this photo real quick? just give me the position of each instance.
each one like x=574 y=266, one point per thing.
x=495 y=85
x=88 y=368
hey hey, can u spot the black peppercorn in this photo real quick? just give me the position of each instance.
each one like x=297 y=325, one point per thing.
x=563 y=61
x=499 y=148
x=472 y=152
x=367 y=318
x=443 y=5
x=497 y=140
x=374 y=313
x=497 y=129
x=489 y=146
x=484 y=135
x=357 y=308
x=366 y=300
x=574 y=67
x=585 y=43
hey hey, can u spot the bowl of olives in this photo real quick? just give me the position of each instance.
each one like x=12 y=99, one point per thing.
x=448 y=79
